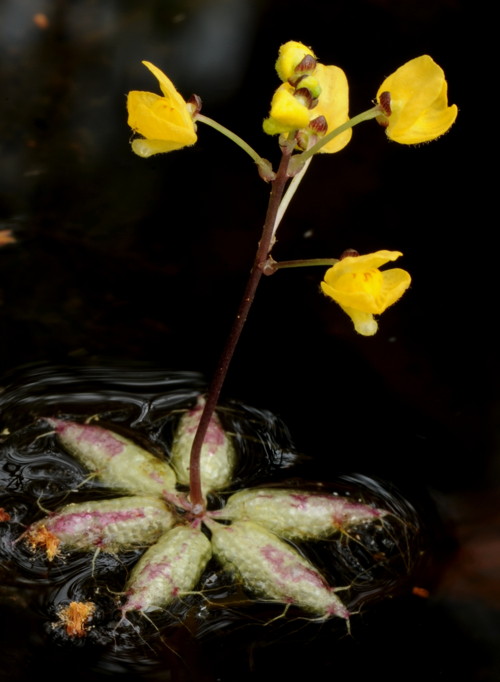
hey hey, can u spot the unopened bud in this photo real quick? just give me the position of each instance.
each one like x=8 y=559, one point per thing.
x=349 y=253
x=302 y=139
x=305 y=97
x=384 y=104
x=319 y=125
x=266 y=170
x=291 y=55
x=312 y=84
x=194 y=104
x=307 y=65
x=384 y=101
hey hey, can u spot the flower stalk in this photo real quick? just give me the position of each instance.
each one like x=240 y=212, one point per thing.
x=272 y=266
x=309 y=111
x=212 y=398
x=367 y=115
x=291 y=189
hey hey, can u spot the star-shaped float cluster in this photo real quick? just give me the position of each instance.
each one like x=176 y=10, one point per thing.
x=252 y=536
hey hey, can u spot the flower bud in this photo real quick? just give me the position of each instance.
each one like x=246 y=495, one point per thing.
x=349 y=253
x=306 y=66
x=310 y=83
x=291 y=58
x=194 y=105
x=304 y=139
x=304 y=96
x=384 y=101
x=319 y=125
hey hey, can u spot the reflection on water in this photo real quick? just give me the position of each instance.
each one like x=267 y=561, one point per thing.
x=377 y=561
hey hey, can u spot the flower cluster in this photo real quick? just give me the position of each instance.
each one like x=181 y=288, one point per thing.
x=250 y=536
x=312 y=100
x=309 y=111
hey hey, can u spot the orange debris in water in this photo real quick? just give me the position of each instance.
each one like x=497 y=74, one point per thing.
x=421 y=592
x=75 y=617
x=6 y=237
x=39 y=536
x=41 y=20
x=4 y=516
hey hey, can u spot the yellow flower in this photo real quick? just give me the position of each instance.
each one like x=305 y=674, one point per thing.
x=333 y=104
x=290 y=55
x=165 y=123
x=311 y=91
x=362 y=290
x=416 y=108
x=287 y=112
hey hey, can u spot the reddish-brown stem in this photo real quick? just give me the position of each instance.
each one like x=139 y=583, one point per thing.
x=212 y=398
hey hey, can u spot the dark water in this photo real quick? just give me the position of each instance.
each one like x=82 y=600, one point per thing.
x=123 y=267
x=380 y=561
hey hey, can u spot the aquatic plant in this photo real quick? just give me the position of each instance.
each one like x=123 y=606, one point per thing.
x=310 y=113
x=186 y=506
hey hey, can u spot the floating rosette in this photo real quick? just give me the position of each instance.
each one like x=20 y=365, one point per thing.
x=116 y=461
x=167 y=569
x=108 y=525
x=272 y=569
x=217 y=454
x=298 y=515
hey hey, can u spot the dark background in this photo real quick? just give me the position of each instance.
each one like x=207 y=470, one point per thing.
x=125 y=260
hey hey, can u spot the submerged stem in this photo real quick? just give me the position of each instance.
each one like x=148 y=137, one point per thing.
x=263 y=250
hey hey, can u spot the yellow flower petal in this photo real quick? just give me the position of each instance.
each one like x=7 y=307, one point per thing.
x=289 y=57
x=153 y=116
x=362 y=290
x=333 y=104
x=418 y=102
x=364 y=323
x=287 y=112
x=147 y=148
x=369 y=260
x=167 y=87
x=164 y=122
